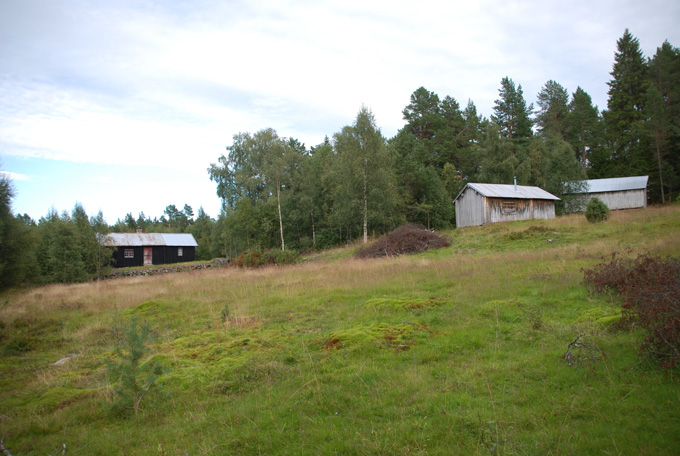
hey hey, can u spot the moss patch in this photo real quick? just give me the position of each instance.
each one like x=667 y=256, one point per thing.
x=400 y=336
x=57 y=398
x=601 y=316
x=402 y=303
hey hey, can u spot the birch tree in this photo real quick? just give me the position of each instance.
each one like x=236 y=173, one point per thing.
x=367 y=167
x=257 y=168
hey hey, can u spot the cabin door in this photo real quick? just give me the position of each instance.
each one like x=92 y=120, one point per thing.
x=148 y=256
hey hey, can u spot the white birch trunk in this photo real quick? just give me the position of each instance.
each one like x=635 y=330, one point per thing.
x=313 y=230
x=278 y=203
x=365 y=202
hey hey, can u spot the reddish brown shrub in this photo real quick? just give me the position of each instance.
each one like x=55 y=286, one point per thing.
x=249 y=259
x=650 y=288
x=406 y=239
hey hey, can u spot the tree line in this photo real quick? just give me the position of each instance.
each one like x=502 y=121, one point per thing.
x=278 y=194
x=66 y=247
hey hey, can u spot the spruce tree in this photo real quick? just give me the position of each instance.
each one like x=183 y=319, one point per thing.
x=583 y=128
x=663 y=116
x=16 y=251
x=60 y=252
x=625 y=114
x=103 y=254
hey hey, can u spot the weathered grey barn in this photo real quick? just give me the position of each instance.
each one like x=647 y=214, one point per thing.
x=479 y=204
x=146 y=249
x=616 y=193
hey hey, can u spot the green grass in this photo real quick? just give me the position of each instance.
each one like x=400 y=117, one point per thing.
x=455 y=351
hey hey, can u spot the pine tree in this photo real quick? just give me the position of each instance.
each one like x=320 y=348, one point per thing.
x=135 y=379
x=423 y=113
x=472 y=135
x=511 y=112
x=500 y=161
x=552 y=109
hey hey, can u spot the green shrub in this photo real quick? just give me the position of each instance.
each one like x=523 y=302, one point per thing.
x=254 y=258
x=596 y=210
x=277 y=256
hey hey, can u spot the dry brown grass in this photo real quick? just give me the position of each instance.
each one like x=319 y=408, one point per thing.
x=243 y=289
x=242 y=322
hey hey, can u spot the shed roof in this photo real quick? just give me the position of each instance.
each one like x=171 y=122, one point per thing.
x=151 y=239
x=616 y=184
x=509 y=191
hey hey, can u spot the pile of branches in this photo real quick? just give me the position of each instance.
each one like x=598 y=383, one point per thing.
x=650 y=288
x=405 y=240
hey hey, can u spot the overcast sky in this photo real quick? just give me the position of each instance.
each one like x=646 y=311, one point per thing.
x=122 y=105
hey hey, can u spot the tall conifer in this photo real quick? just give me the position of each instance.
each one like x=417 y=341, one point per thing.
x=583 y=128
x=627 y=95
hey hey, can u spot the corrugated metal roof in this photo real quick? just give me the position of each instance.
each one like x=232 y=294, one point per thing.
x=617 y=184
x=508 y=191
x=151 y=239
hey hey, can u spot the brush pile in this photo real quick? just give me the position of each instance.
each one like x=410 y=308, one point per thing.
x=405 y=240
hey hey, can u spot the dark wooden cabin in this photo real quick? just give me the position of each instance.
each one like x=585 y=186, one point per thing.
x=147 y=249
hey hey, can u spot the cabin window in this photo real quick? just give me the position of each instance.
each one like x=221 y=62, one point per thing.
x=509 y=207
x=129 y=253
x=180 y=251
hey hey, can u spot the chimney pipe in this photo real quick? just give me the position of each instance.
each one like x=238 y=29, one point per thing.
x=515 y=179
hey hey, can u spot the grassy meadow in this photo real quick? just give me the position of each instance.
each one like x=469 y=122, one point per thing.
x=455 y=351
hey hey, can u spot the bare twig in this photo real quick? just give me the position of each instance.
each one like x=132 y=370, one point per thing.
x=583 y=352
x=4 y=450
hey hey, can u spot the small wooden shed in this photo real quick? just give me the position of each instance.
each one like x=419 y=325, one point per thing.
x=479 y=204
x=616 y=192
x=146 y=249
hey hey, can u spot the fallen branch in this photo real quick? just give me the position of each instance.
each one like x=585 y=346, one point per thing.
x=4 y=450
x=583 y=352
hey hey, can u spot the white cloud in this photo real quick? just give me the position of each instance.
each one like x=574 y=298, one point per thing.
x=167 y=85
x=16 y=176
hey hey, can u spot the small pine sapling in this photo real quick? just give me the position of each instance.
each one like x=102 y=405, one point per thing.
x=135 y=379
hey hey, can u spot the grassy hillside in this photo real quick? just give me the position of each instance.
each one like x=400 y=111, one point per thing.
x=456 y=351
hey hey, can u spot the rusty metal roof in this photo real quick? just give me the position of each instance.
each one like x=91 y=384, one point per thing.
x=509 y=191
x=616 y=184
x=151 y=239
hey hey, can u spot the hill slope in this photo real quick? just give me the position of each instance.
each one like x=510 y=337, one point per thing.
x=455 y=351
